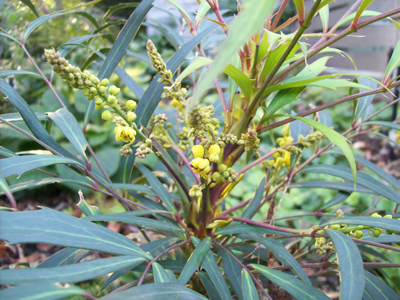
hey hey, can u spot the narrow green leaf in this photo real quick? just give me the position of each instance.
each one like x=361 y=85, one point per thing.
x=197 y=64
x=9 y=36
x=31 y=120
x=362 y=179
x=81 y=5
x=350 y=265
x=291 y=284
x=31 y=7
x=194 y=260
x=239 y=32
x=280 y=252
x=233 y=270
x=16 y=117
x=360 y=10
x=336 y=139
x=18 y=72
x=249 y=289
x=255 y=250
x=243 y=228
x=274 y=56
x=70 y=273
x=43 y=181
x=6 y=152
x=244 y=82
x=384 y=123
x=40 y=291
x=233 y=86
x=212 y=291
x=152 y=96
x=118 y=50
x=157 y=186
x=70 y=128
x=185 y=15
x=156 y=291
x=4 y=186
x=340 y=186
x=339 y=198
x=65 y=48
x=160 y=276
x=378 y=171
x=140 y=188
x=39 y=21
x=378 y=289
x=18 y=165
x=283 y=98
x=64 y=257
x=129 y=218
x=212 y=269
x=153 y=248
x=250 y=209
x=171 y=276
x=88 y=210
x=115 y=8
x=142 y=57
x=204 y=7
x=383 y=223
x=365 y=101
x=52 y=227
x=324 y=15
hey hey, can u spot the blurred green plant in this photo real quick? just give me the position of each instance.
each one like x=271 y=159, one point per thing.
x=202 y=232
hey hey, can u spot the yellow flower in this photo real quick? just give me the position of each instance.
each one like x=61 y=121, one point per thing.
x=124 y=133
x=196 y=162
x=214 y=149
x=198 y=151
x=213 y=157
x=177 y=104
x=287 y=158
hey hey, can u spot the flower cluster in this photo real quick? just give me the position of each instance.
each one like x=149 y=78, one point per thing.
x=250 y=141
x=89 y=83
x=93 y=88
x=172 y=90
x=224 y=175
x=201 y=123
x=311 y=139
x=322 y=247
x=225 y=139
x=144 y=149
x=200 y=164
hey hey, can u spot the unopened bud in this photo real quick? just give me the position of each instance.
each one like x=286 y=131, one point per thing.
x=113 y=90
x=131 y=116
x=131 y=105
x=106 y=115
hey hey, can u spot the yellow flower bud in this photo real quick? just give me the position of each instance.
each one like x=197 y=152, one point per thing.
x=99 y=106
x=104 y=82
x=111 y=99
x=106 y=115
x=131 y=116
x=216 y=176
x=196 y=162
x=280 y=162
x=131 y=105
x=198 y=151
x=358 y=234
x=222 y=167
x=214 y=149
x=287 y=158
x=177 y=104
x=113 y=90
x=214 y=157
x=204 y=164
